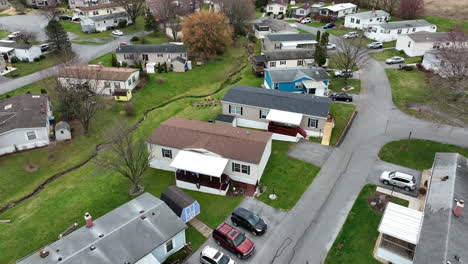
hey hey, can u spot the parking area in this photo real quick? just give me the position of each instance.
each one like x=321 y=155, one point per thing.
x=272 y=218
x=311 y=152
x=381 y=166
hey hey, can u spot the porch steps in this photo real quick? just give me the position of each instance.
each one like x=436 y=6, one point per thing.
x=327 y=132
x=201 y=227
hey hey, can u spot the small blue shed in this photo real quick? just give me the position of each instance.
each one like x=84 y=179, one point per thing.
x=181 y=203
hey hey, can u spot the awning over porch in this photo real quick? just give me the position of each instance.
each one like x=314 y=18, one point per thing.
x=5 y=49
x=284 y=117
x=401 y=222
x=309 y=84
x=199 y=163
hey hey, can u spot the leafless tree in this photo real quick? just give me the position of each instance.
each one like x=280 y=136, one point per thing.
x=411 y=9
x=391 y=6
x=162 y=10
x=128 y=156
x=351 y=54
x=134 y=8
x=26 y=37
x=50 y=12
x=452 y=52
x=238 y=13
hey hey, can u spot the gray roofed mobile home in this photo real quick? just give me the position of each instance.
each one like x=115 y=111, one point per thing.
x=127 y=237
x=370 y=14
x=288 y=75
x=273 y=99
x=289 y=54
x=23 y=111
x=443 y=235
x=110 y=16
x=424 y=36
x=404 y=24
x=290 y=37
x=159 y=48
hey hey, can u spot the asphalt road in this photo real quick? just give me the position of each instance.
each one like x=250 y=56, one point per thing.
x=306 y=233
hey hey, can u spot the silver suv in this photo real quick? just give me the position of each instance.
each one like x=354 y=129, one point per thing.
x=211 y=255
x=399 y=179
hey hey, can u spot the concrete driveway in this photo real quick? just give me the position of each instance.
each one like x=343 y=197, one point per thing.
x=271 y=216
x=381 y=166
x=311 y=152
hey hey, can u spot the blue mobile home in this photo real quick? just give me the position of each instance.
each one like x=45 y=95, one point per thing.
x=314 y=80
x=181 y=203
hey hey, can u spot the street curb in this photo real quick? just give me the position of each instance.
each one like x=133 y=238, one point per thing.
x=346 y=129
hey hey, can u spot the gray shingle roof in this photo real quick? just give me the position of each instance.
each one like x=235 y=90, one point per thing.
x=370 y=14
x=290 y=37
x=225 y=118
x=181 y=60
x=15 y=45
x=24 y=112
x=424 y=36
x=273 y=99
x=177 y=199
x=126 y=236
x=289 y=54
x=62 y=125
x=404 y=24
x=159 y=48
x=110 y=16
x=289 y=75
x=444 y=235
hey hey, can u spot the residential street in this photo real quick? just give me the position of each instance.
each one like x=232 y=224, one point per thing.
x=308 y=231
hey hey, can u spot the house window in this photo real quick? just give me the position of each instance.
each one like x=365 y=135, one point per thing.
x=236 y=167
x=145 y=57
x=414 y=29
x=263 y=114
x=352 y=20
x=358 y=21
x=283 y=62
x=301 y=11
x=235 y=109
x=270 y=8
x=160 y=55
x=399 y=31
x=169 y=245
x=409 y=44
x=276 y=86
x=370 y=20
x=299 y=62
x=117 y=85
x=246 y=169
x=281 y=8
x=129 y=82
x=167 y=153
x=272 y=64
x=133 y=78
x=31 y=135
x=107 y=85
x=312 y=123
x=298 y=85
x=95 y=13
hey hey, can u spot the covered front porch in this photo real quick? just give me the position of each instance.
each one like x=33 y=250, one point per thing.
x=201 y=172
x=317 y=88
x=286 y=124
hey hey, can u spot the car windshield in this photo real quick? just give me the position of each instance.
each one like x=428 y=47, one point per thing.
x=254 y=219
x=239 y=239
x=224 y=260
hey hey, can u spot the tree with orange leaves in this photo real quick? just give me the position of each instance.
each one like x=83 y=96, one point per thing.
x=206 y=34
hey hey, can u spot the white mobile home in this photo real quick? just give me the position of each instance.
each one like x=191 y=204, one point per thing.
x=338 y=10
x=365 y=19
x=277 y=7
x=416 y=44
x=390 y=31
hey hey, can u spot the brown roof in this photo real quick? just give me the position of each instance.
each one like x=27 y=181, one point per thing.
x=23 y=111
x=230 y=142
x=96 y=73
x=96 y=7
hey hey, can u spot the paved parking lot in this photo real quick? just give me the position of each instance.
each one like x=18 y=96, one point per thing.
x=270 y=215
x=381 y=166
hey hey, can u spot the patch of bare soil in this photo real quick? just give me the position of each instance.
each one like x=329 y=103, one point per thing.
x=31 y=168
x=208 y=102
x=454 y=9
x=378 y=201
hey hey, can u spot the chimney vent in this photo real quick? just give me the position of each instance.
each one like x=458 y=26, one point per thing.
x=92 y=247
x=142 y=211
x=89 y=220
x=457 y=211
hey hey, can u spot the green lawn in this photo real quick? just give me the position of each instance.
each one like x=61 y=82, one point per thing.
x=356 y=240
x=416 y=153
x=342 y=113
x=105 y=59
x=290 y=177
x=407 y=87
x=4 y=33
x=337 y=83
x=342 y=31
x=25 y=68
x=153 y=38
x=445 y=24
x=316 y=24
x=302 y=31
x=387 y=54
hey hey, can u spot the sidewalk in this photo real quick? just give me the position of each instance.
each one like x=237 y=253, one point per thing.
x=201 y=227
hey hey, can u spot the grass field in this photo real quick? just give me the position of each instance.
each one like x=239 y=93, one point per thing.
x=152 y=38
x=25 y=68
x=316 y=24
x=356 y=240
x=4 y=33
x=337 y=83
x=416 y=153
x=289 y=177
x=445 y=24
x=407 y=87
x=342 y=113
x=387 y=54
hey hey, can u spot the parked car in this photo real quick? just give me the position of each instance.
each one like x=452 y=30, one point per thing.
x=329 y=25
x=248 y=220
x=300 y=19
x=351 y=35
x=65 y=17
x=211 y=255
x=280 y=16
x=395 y=60
x=14 y=35
x=306 y=20
x=331 y=46
x=375 y=45
x=399 y=179
x=341 y=96
x=44 y=47
x=233 y=240
x=343 y=73
x=117 y=33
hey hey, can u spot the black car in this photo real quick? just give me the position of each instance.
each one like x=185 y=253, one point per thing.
x=65 y=17
x=329 y=25
x=341 y=97
x=248 y=220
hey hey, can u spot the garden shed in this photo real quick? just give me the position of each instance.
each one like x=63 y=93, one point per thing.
x=62 y=131
x=181 y=203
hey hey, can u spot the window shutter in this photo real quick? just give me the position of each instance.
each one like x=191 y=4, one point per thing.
x=232 y=164
x=229 y=108
x=242 y=109
x=260 y=114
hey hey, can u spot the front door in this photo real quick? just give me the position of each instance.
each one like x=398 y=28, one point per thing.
x=311 y=91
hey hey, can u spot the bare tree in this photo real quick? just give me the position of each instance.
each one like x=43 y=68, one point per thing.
x=411 y=9
x=128 y=156
x=350 y=55
x=162 y=10
x=27 y=37
x=134 y=8
x=238 y=13
x=390 y=6
x=452 y=52
x=50 y=12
